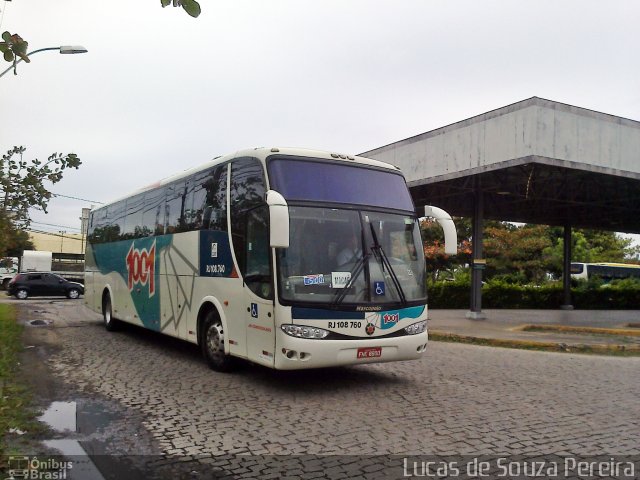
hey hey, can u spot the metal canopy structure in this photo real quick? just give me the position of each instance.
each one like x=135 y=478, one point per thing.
x=535 y=161
x=536 y=192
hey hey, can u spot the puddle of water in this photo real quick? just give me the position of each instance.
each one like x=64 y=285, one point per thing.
x=94 y=417
x=39 y=323
x=61 y=416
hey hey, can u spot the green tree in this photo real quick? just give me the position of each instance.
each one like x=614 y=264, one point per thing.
x=13 y=241
x=589 y=246
x=517 y=253
x=22 y=186
x=433 y=245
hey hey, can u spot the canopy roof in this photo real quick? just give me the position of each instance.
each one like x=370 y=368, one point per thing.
x=535 y=161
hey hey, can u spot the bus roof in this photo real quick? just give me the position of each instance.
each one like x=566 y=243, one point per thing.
x=261 y=153
x=609 y=264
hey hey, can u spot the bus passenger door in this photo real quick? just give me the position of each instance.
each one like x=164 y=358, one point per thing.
x=258 y=289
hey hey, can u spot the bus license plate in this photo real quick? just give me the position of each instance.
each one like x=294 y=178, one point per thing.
x=369 y=352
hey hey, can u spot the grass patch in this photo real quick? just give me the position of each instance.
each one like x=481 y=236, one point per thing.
x=616 y=350
x=581 y=330
x=14 y=395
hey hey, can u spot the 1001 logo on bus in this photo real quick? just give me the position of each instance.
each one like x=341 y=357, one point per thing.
x=141 y=267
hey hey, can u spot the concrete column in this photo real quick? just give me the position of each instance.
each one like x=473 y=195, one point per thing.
x=478 y=263
x=566 y=269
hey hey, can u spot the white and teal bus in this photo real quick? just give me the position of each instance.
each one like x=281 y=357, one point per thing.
x=605 y=271
x=288 y=258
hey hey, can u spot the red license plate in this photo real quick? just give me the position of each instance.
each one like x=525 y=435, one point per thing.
x=369 y=352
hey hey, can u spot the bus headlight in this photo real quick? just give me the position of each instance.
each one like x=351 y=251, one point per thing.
x=303 y=331
x=416 y=328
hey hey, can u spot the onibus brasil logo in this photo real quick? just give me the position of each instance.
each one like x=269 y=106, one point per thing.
x=141 y=267
x=32 y=468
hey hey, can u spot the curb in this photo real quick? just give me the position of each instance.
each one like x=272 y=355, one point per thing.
x=569 y=329
x=600 y=349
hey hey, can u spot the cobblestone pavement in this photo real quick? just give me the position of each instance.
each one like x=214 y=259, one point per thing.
x=457 y=400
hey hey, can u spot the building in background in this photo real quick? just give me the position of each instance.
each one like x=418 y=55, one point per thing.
x=67 y=249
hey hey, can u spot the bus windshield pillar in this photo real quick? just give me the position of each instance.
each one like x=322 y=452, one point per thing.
x=566 y=269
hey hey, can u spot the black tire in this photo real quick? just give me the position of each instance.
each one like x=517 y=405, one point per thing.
x=5 y=283
x=212 y=343
x=22 y=294
x=73 y=294
x=110 y=324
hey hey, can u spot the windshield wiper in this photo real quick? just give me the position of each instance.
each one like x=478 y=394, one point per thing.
x=377 y=248
x=353 y=274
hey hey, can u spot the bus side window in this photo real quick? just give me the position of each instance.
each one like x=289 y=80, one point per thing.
x=258 y=272
x=153 y=214
x=214 y=211
x=248 y=188
x=174 y=206
x=133 y=219
x=115 y=222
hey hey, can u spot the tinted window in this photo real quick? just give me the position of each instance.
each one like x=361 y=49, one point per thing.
x=247 y=190
x=97 y=231
x=115 y=222
x=153 y=214
x=133 y=219
x=258 y=265
x=320 y=181
x=210 y=199
x=174 y=207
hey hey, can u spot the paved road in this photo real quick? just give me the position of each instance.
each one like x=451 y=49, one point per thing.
x=457 y=400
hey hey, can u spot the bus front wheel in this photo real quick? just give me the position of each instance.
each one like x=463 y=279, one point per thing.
x=110 y=323
x=213 y=343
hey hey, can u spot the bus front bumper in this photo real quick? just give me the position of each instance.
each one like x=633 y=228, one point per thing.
x=294 y=353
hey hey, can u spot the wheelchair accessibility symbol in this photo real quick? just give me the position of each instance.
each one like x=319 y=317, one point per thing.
x=254 y=310
x=379 y=288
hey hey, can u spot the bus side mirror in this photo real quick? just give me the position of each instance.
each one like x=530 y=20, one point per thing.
x=445 y=221
x=278 y=220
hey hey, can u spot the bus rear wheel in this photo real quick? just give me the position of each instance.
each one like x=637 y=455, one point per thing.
x=212 y=341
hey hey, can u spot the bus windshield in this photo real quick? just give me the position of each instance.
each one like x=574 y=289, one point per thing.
x=349 y=257
x=320 y=181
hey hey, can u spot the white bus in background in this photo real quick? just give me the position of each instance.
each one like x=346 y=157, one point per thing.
x=288 y=258
x=605 y=271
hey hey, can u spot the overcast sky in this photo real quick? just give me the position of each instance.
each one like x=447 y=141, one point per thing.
x=159 y=91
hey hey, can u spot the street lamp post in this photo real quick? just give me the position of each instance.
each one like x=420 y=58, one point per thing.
x=64 y=50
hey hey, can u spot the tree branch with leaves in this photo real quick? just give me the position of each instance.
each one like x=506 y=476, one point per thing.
x=22 y=182
x=190 y=6
x=13 y=47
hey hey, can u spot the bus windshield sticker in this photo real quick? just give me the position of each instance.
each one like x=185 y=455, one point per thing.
x=340 y=279
x=313 y=279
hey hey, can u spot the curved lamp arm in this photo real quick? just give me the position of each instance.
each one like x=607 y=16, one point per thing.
x=64 y=50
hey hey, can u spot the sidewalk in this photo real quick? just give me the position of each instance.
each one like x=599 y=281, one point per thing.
x=566 y=329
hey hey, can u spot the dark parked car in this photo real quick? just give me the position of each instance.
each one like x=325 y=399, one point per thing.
x=34 y=284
